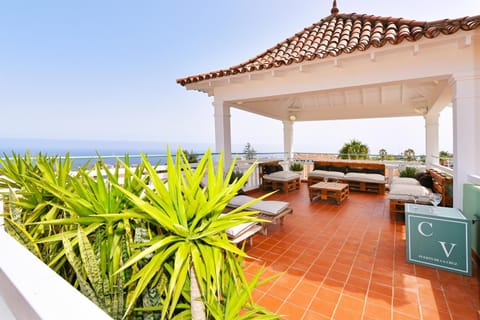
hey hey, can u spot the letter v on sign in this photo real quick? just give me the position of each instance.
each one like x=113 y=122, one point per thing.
x=447 y=252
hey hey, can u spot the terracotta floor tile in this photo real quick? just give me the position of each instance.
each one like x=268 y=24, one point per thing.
x=374 y=311
x=291 y=310
x=381 y=289
x=403 y=316
x=270 y=302
x=347 y=302
x=338 y=276
x=434 y=314
x=279 y=291
x=300 y=299
x=463 y=311
x=323 y=307
x=329 y=295
x=306 y=288
x=312 y=315
x=408 y=308
x=347 y=313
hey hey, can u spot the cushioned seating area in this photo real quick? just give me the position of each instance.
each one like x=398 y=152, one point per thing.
x=273 y=177
x=406 y=192
x=366 y=176
x=271 y=210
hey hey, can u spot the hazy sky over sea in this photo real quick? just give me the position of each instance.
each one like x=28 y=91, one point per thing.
x=106 y=70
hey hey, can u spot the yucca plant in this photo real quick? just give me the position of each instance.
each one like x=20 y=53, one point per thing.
x=190 y=246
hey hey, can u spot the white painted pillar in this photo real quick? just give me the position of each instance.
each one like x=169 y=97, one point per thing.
x=223 y=134
x=431 y=136
x=466 y=131
x=288 y=139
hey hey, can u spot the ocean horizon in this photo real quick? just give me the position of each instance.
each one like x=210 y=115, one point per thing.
x=109 y=148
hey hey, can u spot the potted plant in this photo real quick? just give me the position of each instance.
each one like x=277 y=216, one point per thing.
x=296 y=166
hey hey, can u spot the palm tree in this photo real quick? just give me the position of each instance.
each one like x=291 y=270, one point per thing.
x=354 y=149
x=383 y=154
x=409 y=154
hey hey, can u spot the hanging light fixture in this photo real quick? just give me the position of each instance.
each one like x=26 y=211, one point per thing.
x=292 y=117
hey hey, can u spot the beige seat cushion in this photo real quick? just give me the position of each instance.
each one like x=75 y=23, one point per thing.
x=281 y=176
x=365 y=177
x=268 y=207
x=327 y=174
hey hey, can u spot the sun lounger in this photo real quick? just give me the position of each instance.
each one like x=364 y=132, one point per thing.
x=271 y=210
x=244 y=231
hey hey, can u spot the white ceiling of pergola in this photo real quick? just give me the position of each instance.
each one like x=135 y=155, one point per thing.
x=396 y=99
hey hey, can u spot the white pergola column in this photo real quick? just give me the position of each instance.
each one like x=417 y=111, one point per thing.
x=431 y=136
x=223 y=133
x=288 y=139
x=466 y=131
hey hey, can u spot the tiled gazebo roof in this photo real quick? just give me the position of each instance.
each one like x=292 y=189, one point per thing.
x=342 y=34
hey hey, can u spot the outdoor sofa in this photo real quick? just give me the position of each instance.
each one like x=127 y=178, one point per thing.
x=359 y=175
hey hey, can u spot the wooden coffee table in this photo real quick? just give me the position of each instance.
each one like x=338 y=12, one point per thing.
x=329 y=190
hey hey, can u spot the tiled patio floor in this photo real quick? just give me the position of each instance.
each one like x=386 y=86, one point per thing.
x=349 y=262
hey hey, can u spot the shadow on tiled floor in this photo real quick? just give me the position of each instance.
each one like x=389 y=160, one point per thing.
x=349 y=262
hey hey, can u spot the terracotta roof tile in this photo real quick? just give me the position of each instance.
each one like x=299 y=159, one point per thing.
x=342 y=34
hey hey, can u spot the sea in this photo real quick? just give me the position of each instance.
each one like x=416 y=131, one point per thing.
x=83 y=151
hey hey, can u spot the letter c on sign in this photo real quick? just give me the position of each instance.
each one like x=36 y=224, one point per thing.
x=422 y=232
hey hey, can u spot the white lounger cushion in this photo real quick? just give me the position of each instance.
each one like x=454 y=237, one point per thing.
x=365 y=177
x=327 y=174
x=404 y=180
x=269 y=207
x=281 y=176
x=235 y=231
x=405 y=192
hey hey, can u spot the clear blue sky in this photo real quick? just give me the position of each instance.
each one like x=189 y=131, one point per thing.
x=106 y=70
